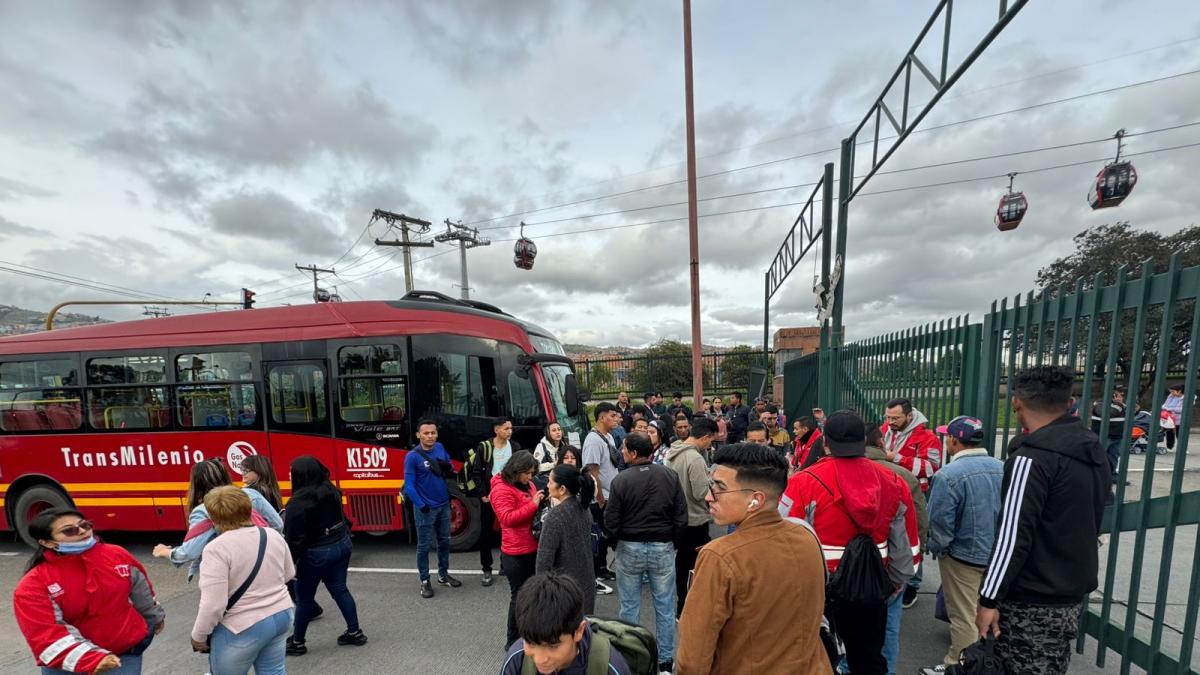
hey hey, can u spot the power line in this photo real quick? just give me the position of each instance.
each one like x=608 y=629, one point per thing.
x=1107 y=139
x=957 y=95
x=863 y=194
x=377 y=273
x=139 y=292
x=823 y=151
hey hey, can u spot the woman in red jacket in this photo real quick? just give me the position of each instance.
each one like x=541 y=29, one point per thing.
x=515 y=501
x=84 y=606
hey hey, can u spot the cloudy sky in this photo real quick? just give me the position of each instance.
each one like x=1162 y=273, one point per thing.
x=183 y=148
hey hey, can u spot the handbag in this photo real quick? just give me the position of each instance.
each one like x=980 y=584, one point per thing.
x=939 y=607
x=980 y=659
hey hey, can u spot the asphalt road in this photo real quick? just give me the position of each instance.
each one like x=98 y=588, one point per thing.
x=462 y=630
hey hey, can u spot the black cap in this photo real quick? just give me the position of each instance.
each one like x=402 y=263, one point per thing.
x=845 y=434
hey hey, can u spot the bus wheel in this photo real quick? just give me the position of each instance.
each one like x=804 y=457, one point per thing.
x=32 y=502
x=464 y=521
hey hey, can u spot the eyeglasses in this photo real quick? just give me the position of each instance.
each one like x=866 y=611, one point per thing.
x=712 y=490
x=77 y=529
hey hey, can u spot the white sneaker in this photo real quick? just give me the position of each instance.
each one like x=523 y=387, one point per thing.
x=603 y=588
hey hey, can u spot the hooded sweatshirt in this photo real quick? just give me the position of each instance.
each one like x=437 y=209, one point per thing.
x=842 y=497
x=917 y=448
x=686 y=461
x=1056 y=483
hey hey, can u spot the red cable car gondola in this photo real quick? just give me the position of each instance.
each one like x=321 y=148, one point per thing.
x=1114 y=182
x=524 y=251
x=1012 y=208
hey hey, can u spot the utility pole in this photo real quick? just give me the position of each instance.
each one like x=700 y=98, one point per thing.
x=315 y=270
x=392 y=219
x=693 y=218
x=467 y=237
x=153 y=311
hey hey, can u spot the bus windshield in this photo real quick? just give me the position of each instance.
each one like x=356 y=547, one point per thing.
x=556 y=382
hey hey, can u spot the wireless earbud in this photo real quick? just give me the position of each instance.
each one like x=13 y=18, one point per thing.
x=753 y=503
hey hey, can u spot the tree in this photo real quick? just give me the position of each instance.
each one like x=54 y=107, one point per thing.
x=599 y=376
x=1103 y=249
x=667 y=366
x=735 y=367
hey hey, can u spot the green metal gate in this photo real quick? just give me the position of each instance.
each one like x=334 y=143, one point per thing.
x=1136 y=330
x=801 y=379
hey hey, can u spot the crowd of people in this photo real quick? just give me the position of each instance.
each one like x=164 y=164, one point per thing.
x=823 y=533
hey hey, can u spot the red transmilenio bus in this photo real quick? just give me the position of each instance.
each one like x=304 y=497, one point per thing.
x=111 y=417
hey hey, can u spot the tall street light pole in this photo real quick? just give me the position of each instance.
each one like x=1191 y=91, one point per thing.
x=693 y=220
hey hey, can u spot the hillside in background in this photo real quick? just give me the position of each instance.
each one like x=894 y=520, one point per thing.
x=16 y=321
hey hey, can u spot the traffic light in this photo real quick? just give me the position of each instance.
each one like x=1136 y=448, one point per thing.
x=247 y=299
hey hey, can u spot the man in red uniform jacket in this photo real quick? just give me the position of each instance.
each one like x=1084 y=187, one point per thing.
x=846 y=494
x=909 y=442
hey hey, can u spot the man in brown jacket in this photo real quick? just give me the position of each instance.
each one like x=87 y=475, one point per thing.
x=757 y=595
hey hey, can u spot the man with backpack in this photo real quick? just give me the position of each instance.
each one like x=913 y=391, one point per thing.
x=426 y=468
x=557 y=638
x=1044 y=562
x=757 y=594
x=686 y=459
x=864 y=517
x=484 y=461
x=600 y=460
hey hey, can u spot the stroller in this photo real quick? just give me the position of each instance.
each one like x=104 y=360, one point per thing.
x=1141 y=441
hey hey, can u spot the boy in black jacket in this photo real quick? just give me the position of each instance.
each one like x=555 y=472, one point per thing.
x=1044 y=561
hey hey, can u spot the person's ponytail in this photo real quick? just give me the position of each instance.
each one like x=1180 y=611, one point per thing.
x=587 y=491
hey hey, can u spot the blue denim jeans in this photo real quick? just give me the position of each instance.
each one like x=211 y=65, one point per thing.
x=437 y=521
x=891 y=638
x=261 y=646
x=328 y=565
x=657 y=561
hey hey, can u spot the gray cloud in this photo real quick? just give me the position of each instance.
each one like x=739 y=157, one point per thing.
x=9 y=228
x=269 y=216
x=14 y=189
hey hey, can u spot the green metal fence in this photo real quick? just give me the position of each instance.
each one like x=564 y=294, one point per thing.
x=927 y=365
x=1137 y=331
x=800 y=382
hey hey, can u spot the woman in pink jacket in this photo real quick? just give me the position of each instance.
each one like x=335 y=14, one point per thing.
x=515 y=501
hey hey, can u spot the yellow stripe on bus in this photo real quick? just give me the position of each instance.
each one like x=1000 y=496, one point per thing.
x=369 y=484
x=126 y=487
x=118 y=501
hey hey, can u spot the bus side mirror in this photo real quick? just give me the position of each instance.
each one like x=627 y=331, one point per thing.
x=573 y=395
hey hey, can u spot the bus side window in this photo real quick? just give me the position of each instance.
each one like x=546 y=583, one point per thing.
x=298 y=394
x=40 y=395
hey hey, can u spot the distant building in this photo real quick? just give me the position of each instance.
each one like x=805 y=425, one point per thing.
x=789 y=344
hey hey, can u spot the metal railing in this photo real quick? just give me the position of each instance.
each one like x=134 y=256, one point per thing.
x=1139 y=332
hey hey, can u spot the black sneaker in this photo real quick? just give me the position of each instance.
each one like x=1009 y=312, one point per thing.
x=356 y=639
x=607 y=575
x=426 y=589
x=488 y=579
x=317 y=614
x=666 y=667
x=603 y=588
x=910 y=597
x=449 y=581
x=296 y=648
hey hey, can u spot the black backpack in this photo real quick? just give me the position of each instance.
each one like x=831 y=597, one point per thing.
x=860 y=578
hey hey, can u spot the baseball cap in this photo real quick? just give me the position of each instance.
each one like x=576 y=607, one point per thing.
x=965 y=428
x=845 y=434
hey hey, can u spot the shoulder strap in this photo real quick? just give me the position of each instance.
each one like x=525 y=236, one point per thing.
x=599 y=654
x=262 y=550
x=528 y=667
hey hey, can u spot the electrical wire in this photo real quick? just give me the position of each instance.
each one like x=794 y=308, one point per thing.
x=81 y=282
x=1107 y=139
x=823 y=151
x=957 y=95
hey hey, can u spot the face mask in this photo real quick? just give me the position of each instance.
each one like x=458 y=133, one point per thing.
x=76 y=547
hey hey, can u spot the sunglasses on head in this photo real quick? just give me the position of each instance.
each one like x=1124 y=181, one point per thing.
x=77 y=529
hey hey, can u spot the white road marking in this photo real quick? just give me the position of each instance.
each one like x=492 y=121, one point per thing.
x=413 y=570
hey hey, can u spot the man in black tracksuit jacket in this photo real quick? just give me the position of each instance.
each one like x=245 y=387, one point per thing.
x=647 y=514
x=1044 y=560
